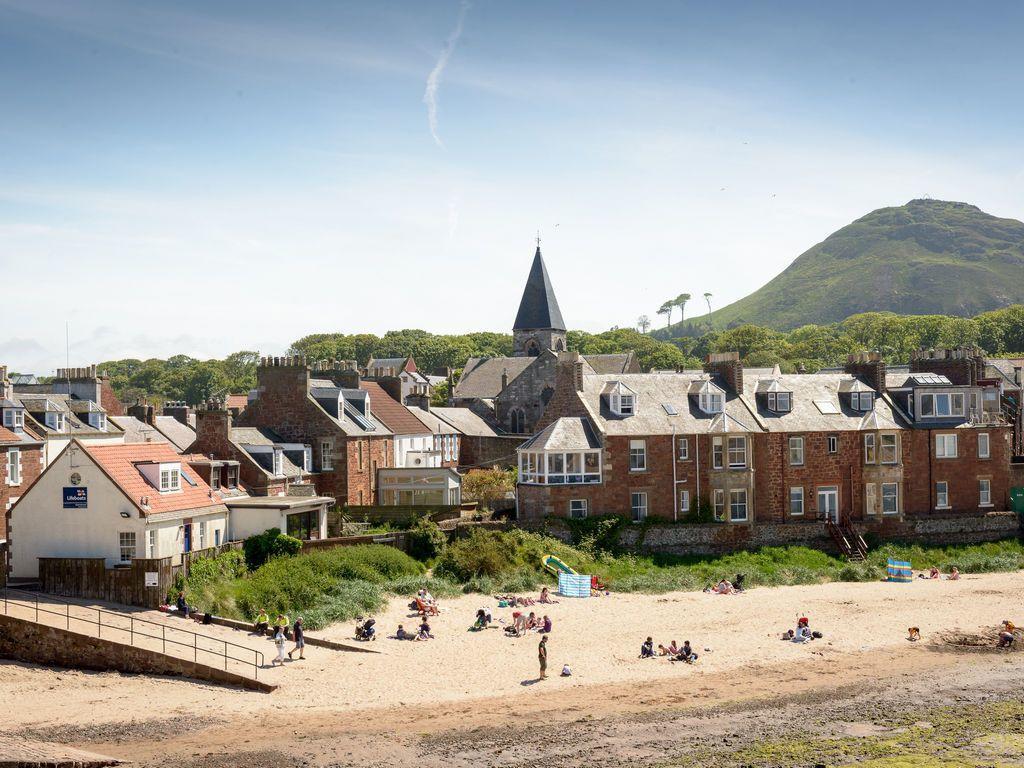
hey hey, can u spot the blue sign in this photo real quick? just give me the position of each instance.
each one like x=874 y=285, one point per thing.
x=76 y=498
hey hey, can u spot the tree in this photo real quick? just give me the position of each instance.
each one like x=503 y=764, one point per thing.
x=666 y=309
x=681 y=300
x=487 y=486
x=644 y=322
x=707 y=298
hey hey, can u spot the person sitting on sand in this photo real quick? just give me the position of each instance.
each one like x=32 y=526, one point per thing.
x=724 y=587
x=424 y=633
x=483 y=619
x=545 y=597
x=532 y=621
x=662 y=650
x=673 y=649
x=1006 y=636
x=545 y=626
x=913 y=634
x=401 y=634
x=933 y=573
x=954 y=574
x=686 y=653
x=647 y=649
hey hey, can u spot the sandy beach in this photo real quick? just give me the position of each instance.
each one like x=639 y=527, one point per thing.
x=463 y=679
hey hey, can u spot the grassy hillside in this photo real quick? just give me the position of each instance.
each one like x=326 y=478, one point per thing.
x=925 y=257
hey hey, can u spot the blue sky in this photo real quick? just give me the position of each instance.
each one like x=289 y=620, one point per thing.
x=203 y=177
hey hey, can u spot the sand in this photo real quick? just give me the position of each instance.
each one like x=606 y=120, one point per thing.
x=599 y=638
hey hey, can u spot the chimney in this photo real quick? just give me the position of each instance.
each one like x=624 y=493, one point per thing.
x=213 y=427
x=179 y=410
x=728 y=366
x=800 y=368
x=869 y=366
x=504 y=378
x=960 y=365
x=142 y=412
x=418 y=400
x=82 y=383
x=7 y=391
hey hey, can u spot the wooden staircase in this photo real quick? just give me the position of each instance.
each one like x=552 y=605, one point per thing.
x=850 y=543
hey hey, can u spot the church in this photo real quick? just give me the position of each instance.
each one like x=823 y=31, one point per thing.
x=512 y=392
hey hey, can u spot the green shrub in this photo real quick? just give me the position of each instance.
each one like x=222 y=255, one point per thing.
x=499 y=553
x=267 y=545
x=426 y=539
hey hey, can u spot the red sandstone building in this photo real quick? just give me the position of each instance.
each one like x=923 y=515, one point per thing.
x=864 y=444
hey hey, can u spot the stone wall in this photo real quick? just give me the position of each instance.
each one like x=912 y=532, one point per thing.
x=26 y=641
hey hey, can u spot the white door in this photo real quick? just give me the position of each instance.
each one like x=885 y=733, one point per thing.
x=828 y=503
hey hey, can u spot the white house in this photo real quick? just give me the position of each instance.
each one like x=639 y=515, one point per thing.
x=117 y=502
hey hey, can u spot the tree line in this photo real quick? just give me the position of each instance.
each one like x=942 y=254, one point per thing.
x=999 y=333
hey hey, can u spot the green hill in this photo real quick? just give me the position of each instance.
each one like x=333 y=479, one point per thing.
x=925 y=257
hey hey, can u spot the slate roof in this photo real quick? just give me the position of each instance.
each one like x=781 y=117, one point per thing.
x=804 y=416
x=137 y=431
x=397 y=363
x=624 y=362
x=392 y=413
x=434 y=423
x=326 y=395
x=1002 y=368
x=481 y=377
x=538 y=307
x=262 y=436
x=564 y=434
x=467 y=422
x=39 y=403
x=120 y=463
x=653 y=392
x=179 y=435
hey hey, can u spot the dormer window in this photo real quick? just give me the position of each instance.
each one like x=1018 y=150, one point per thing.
x=781 y=402
x=941 y=404
x=621 y=399
x=170 y=478
x=98 y=421
x=14 y=419
x=862 y=401
x=55 y=420
x=711 y=399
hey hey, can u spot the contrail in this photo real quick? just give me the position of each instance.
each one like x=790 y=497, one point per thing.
x=434 y=78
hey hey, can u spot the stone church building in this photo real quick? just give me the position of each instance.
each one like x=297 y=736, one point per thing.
x=513 y=392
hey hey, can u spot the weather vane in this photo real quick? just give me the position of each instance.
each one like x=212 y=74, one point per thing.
x=538 y=238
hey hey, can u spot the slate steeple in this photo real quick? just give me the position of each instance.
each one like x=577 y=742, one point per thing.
x=539 y=323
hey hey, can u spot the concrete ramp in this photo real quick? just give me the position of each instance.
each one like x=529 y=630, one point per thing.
x=21 y=753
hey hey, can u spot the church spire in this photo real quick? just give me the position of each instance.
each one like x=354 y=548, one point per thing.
x=538 y=309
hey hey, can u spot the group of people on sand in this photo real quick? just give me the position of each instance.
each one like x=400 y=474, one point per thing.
x=935 y=573
x=280 y=634
x=521 y=624
x=802 y=633
x=726 y=587
x=673 y=651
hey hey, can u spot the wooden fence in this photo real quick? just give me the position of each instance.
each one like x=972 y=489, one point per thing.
x=145 y=582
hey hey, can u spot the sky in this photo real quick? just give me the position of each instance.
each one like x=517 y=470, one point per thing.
x=204 y=177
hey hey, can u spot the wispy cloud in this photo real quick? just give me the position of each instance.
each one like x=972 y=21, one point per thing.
x=434 y=78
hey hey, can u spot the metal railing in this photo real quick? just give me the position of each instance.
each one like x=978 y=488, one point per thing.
x=137 y=628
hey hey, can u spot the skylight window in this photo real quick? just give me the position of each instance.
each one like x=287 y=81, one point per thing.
x=826 y=407
x=670 y=409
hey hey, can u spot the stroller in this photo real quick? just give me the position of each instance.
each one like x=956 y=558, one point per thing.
x=738 y=582
x=365 y=631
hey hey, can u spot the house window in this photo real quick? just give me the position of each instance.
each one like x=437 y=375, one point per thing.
x=55 y=421
x=796 y=501
x=862 y=401
x=983 y=447
x=796 y=451
x=360 y=452
x=717 y=454
x=942 y=404
x=945 y=446
x=781 y=402
x=942 y=495
x=578 y=509
x=887 y=452
x=737 y=452
x=869 y=449
x=151 y=543
x=832 y=441
x=870 y=501
x=719 y=504
x=14 y=418
x=126 y=541
x=14 y=466
x=626 y=405
x=326 y=449
x=638 y=506
x=985 y=493
x=279 y=461
x=890 y=498
x=738 y=505
x=684 y=501
x=202 y=535
x=637 y=455
x=101 y=422
x=232 y=476
x=215 y=478
x=683 y=444
x=516 y=421
x=710 y=400
x=170 y=479
x=216 y=537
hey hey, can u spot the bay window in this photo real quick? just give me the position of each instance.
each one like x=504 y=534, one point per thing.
x=887 y=449
x=939 y=404
x=559 y=468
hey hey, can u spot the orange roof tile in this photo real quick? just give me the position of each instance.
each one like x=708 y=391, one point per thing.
x=6 y=436
x=395 y=416
x=237 y=401
x=119 y=462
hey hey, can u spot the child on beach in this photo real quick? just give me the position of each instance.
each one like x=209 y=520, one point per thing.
x=424 y=633
x=686 y=653
x=1006 y=636
x=954 y=574
x=279 y=642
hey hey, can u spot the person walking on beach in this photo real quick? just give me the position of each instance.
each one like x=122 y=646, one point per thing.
x=279 y=642
x=542 y=657
x=300 y=640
